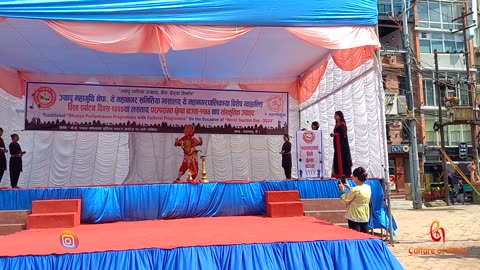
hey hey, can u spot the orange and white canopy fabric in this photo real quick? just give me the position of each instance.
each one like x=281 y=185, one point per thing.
x=292 y=59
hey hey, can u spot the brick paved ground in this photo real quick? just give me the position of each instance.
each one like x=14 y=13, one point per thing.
x=462 y=231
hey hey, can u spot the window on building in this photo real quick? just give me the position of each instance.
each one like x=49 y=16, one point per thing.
x=441 y=42
x=439 y=14
x=457 y=80
x=431 y=135
x=467 y=134
x=390 y=7
x=463 y=93
x=402 y=85
x=429 y=93
x=454 y=134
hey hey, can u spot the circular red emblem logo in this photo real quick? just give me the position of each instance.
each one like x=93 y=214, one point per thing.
x=308 y=136
x=44 y=97
x=275 y=103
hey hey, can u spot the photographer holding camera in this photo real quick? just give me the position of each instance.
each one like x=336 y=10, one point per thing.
x=357 y=200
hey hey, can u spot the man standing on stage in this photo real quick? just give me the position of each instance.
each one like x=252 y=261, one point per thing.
x=190 y=159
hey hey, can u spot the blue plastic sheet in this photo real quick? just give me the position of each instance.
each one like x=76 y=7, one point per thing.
x=339 y=255
x=379 y=213
x=145 y=202
x=205 y=12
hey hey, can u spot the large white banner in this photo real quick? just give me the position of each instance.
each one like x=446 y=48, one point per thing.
x=310 y=162
x=91 y=107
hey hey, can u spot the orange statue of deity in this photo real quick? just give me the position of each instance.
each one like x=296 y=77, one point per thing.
x=188 y=143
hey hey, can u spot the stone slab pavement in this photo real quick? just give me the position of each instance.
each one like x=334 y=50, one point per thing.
x=414 y=247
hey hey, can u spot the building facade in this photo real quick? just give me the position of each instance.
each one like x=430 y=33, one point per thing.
x=432 y=26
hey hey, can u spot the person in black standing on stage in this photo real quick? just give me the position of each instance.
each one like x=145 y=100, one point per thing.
x=287 y=156
x=16 y=154
x=3 y=158
x=342 y=159
x=315 y=125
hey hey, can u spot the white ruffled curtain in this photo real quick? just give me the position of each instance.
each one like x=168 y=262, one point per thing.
x=359 y=95
x=57 y=159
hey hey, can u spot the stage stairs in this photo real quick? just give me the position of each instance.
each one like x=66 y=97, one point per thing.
x=12 y=221
x=283 y=203
x=330 y=210
x=48 y=214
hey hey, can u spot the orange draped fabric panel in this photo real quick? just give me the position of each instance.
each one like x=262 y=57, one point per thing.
x=12 y=81
x=350 y=59
x=144 y=38
x=301 y=89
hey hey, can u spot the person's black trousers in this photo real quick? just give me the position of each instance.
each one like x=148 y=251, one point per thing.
x=358 y=226
x=14 y=176
x=288 y=172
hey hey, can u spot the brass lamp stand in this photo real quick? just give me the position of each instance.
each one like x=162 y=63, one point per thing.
x=204 y=170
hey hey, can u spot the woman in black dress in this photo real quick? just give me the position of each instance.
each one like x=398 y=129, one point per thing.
x=342 y=159
x=287 y=156
x=3 y=158
x=15 y=165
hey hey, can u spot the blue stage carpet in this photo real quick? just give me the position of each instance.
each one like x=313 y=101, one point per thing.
x=102 y=204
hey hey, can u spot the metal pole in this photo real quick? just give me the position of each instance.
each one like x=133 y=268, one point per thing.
x=442 y=133
x=389 y=204
x=386 y=181
x=470 y=83
x=472 y=91
x=414 y=168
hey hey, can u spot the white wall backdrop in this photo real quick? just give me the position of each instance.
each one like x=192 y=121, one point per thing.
x=86 y=158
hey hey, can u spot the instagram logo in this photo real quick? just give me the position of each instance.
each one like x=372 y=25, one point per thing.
x=69 y=240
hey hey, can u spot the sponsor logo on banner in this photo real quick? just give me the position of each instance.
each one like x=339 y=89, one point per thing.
x=308 y=137
x=275 y=103
x=44 y=97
